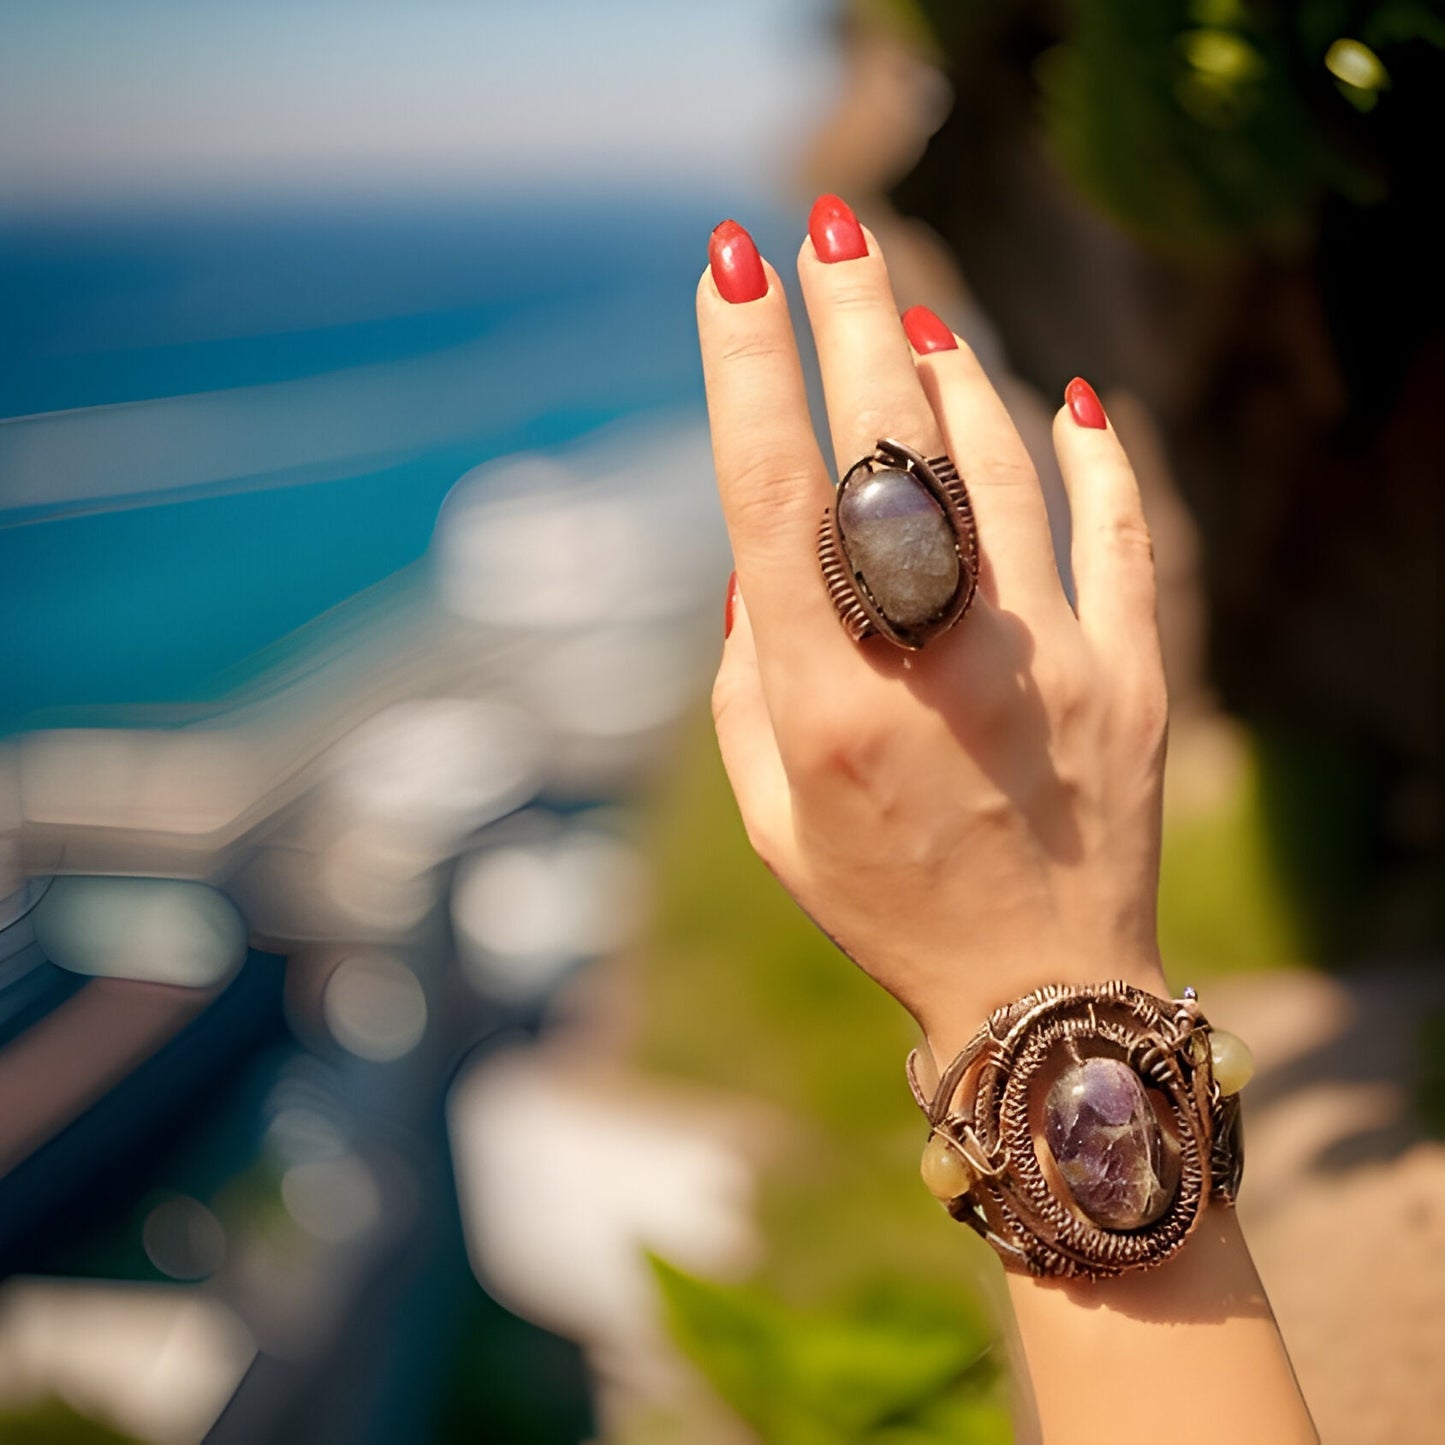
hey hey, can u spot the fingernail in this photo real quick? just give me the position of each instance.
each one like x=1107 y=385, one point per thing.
x=926 y=333
x=836 y=234
x=729 y=605
x=1084 y=405
x=736 y=266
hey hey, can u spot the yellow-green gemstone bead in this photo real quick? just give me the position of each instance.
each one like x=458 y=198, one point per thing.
x=944 y=1172
x=1231 y=1060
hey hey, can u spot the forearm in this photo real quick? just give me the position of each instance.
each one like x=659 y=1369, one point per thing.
x=1185 y=1352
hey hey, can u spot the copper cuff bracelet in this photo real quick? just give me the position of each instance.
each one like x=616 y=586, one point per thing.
x=1084 y=1128
x=899 y=549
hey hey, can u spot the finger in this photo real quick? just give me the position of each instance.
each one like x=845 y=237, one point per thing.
x=771 y=476
x=745 y=734
x=1013 y=525
x=1113 y=557
x=869 y=381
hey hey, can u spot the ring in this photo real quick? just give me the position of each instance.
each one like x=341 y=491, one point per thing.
x=899 y=548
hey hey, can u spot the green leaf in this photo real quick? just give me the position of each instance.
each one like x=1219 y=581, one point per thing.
x=732 y=1335
x=963 y=1416
x=899 y=1356
x=51 y=1421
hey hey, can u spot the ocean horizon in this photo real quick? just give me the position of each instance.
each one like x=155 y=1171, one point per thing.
x=220 y=419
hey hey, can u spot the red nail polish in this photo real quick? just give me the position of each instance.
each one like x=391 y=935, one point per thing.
x=926 y=333
x=736 y=266
x=729 y=605
x=1084 y=404
x=836 y=234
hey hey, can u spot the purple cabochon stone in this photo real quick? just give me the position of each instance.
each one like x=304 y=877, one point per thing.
x=900 y=543
x=1106 y=1140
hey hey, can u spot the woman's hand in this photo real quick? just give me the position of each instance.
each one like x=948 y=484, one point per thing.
x=981 y=817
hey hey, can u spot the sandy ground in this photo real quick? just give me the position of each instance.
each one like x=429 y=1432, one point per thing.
x=1344 y=1199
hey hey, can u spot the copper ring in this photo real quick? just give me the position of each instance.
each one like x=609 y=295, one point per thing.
x=862 y=606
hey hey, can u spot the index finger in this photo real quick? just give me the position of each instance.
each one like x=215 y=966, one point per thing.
x=771 y=475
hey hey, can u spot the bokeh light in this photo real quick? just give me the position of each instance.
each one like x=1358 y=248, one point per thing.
x=375 y=1007
x=183 y=1239
x=146 y=929
x=541 y=896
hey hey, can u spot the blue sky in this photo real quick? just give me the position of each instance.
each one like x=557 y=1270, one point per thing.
x=104 y=96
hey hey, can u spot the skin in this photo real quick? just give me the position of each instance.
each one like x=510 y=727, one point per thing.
x=981 y=817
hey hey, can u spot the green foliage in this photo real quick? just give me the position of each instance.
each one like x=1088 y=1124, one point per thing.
x=1192 y=122
x=744 y=994
x=901 y=1365
x=1225 y=903
x=1322 y=798
x=743 y=991
x=1203 y=122
x=53 y=1422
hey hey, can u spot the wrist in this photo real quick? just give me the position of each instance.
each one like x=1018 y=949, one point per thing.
x=950 y=1021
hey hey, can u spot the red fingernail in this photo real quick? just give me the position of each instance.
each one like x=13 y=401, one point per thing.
x=836 y=234
x=1084 y=404
x=728 y=606
x=926 y=333
x=736 y=266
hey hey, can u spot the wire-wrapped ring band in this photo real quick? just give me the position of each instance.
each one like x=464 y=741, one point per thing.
x=898 y=547
x=1083 y=1129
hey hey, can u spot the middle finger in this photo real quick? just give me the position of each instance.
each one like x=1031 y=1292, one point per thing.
x=869 y=380
x=874 y=389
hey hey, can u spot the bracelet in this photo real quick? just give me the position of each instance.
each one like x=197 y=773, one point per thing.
x=1084 y=1128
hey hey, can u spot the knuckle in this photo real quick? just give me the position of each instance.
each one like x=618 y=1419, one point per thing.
x=994 y=697
x=858 y=294
x=1127 y=534
x=758 y=478
x=816 y=740
x=724 y=697
x=1071 y=691
x=1154 y=715
x=1066 y=679
x=733 y=690
x=1147 y=711
x=765 y=825
x=746 y=348
x=902 y=416
x=762 y=839
x=1006 y=473
x=830 y=746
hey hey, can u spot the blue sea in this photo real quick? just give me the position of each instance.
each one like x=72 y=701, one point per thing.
x=216 y=423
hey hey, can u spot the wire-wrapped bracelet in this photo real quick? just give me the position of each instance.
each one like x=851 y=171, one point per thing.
x=1084 y=1128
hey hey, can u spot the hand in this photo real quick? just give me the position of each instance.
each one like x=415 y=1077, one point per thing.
x=981 y=817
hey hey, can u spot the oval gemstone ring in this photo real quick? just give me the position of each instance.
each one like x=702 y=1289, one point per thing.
x=898 y=547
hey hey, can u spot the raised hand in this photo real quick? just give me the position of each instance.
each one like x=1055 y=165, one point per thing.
x=982 y=816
